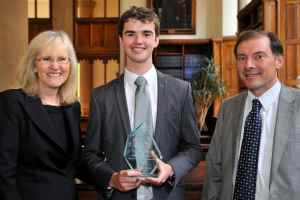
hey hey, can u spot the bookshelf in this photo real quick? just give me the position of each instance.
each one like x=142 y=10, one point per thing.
x=182 y=58
x=258 y=14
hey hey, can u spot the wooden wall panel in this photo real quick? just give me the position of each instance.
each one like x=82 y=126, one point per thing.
x=99 y=10
x=86 y=85
x=217 y=55
x=290 y=36
x=83 y=35
x=270 y=16
x=97 y=37
x=223 y=53
x=291 y=70
x=292 y=21
x=37 y=26
x=96 y=40
x=111 y=37
x=94 y=73
x=229 y=70
x=217 y=52
x=291 y=57
x=292 y=66
x=112 y=8
x=98 y=73
x=112 y=70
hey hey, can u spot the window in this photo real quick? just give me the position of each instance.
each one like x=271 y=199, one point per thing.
x=38 y=9
x=39 y=16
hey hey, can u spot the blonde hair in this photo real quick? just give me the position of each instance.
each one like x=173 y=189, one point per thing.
x=28 y=78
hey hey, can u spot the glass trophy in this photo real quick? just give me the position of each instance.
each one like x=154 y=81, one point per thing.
x=141 y=151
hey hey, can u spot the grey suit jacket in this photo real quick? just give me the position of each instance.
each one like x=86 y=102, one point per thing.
x=176 y=134
x=285 y=169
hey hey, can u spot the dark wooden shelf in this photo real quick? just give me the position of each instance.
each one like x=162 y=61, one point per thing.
x=258 y=14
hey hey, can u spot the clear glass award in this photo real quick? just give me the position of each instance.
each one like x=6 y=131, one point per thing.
x=141 y=151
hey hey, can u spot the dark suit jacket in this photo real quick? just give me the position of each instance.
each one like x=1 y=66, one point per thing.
x=285 y=167
x=33 y=165
x=176 y=134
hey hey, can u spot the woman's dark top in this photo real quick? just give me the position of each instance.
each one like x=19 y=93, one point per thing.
x=57 y=117
x=39 y=148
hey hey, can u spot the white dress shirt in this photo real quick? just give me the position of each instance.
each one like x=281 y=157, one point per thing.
x=269 y=101
x=130 y=87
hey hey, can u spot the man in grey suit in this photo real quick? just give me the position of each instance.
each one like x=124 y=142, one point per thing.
x=111 y=119
x=259 y=57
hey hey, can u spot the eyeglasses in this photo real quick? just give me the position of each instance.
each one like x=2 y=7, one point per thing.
x=48 y=60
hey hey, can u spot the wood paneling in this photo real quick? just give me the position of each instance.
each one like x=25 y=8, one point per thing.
x=97 y=40
x=86 y=85
x=37 y=26
x=291 y=57
x=112 y=8
x=112 y=71
x=62 y=16
x=96 y=44
x=217 y=52
x=228 y=69
x=290 y=36
x=94 y=73
x=83 y=35
x=97 y=8
x=111 y=40
x=97 y=36
x=270 y=15
x=98 y=73
x=292 y=21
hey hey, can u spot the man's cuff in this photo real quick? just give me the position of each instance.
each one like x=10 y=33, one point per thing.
x=171 y=180
x=108 y=193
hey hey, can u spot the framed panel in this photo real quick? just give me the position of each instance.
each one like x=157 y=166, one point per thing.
x=83 y=35
x=97 y=8
x=97 y=37
x=111 y=38
x=177 y=17
x=43 y=9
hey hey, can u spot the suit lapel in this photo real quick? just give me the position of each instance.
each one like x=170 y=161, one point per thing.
x=282 y=128
x=122 y=104
x=237 y=122
x=161 y=107
x=40 y=118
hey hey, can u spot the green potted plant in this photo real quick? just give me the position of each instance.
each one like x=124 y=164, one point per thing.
x=206 y=88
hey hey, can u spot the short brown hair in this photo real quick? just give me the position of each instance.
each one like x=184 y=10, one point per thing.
x=275 y=44
x=139 y=13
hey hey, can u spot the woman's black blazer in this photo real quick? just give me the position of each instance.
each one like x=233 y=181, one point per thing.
x=33 y=164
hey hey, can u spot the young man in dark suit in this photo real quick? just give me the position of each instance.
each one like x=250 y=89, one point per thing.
x=112 y=120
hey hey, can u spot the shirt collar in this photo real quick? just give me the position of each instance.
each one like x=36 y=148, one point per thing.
x=150 y=76
x=268 y=98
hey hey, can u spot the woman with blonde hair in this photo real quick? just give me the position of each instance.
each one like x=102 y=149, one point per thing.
x=39 y=124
